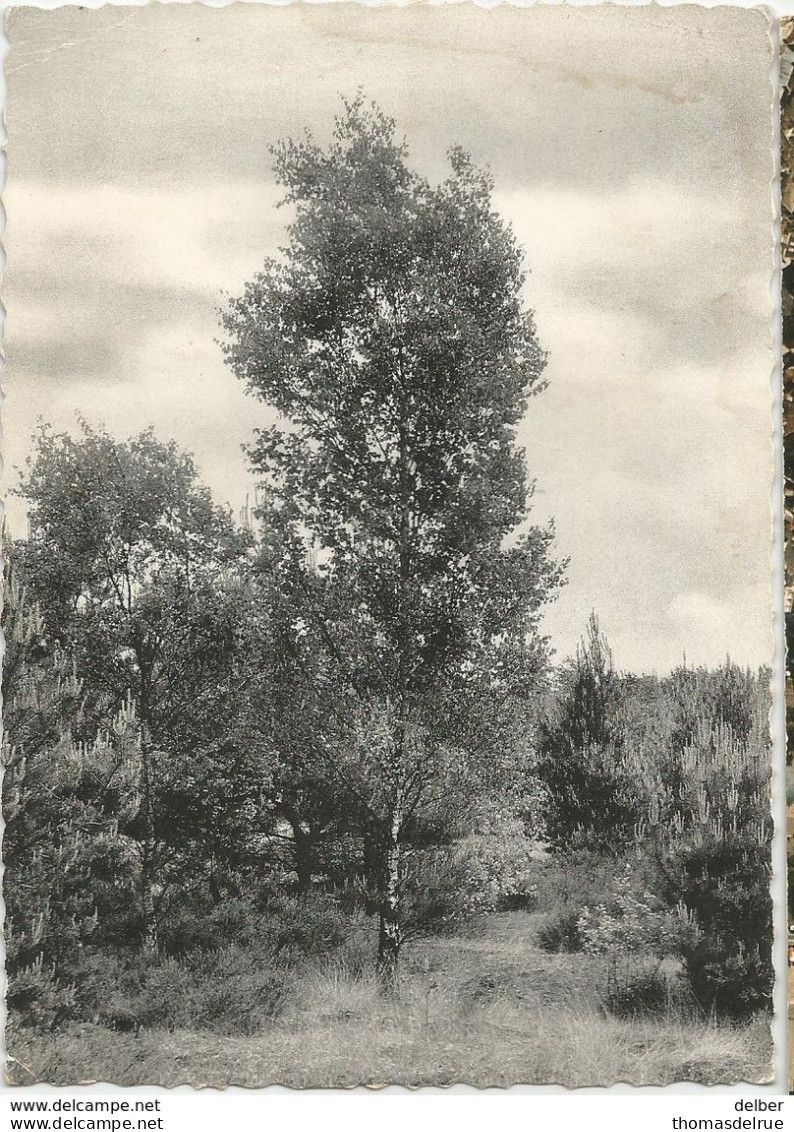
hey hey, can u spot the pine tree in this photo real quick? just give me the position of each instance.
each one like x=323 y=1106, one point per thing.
x=710 y=836
x=593 y=796
x=69 y=866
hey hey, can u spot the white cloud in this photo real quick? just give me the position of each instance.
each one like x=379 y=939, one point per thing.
x=626 y=226
x=193 y=239
x=181 y=386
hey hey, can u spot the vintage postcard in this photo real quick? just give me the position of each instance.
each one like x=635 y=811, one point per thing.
x=388 y=448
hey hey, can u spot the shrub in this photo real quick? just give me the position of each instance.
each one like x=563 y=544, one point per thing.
x=636 y=992
x=231 y=991
x=565 y=883
x=561 y=932
x=631 y=929
x=497 y=863
x=237 y=983
x=236 y=994
x=128 y=990
x=37 y=998
x=293 y=929
x=284 y=929
x=67 y=799
x=633 y=924
x=574 y=879
x=201 y=926
x=733 y=985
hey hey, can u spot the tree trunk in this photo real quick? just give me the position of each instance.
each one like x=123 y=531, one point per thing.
x=148 y=847
x=304 y=858
x=147 y=897
x=302 y=847
x=215 y=889
x=390 y=937
x=372 y=861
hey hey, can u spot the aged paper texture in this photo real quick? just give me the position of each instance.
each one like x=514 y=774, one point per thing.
x=388 y=618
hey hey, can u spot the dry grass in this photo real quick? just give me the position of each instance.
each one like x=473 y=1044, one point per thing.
x=487 y=1009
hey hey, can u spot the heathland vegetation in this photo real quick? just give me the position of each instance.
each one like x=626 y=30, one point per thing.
x=308 y=801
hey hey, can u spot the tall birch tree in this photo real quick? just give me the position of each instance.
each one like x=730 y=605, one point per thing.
x=393 y=339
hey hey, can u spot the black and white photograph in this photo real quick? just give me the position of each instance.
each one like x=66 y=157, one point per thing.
x=388 y=480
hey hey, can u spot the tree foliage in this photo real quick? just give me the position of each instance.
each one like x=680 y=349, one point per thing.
x=142 y=578
x=126 y=548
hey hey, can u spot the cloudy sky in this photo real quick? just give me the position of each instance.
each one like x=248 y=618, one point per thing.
x=631 y=151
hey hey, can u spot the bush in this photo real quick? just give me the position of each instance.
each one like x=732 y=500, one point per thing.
x=732 y=985
x=128 y=991
x=632 y=923
x=561 y=932
x=226 y=992
x=711 y=843
x=283 y=930
x=637 y=993
x=574 y=879
x=493 y=868
x=497 y=863
x=594 y=795
x=564 y=884
x=293 y=929
x=235 y=994
x=237 y=983
x=37 y=998
x=200 y=926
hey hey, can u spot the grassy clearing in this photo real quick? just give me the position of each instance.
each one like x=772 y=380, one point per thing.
x=485 y=1008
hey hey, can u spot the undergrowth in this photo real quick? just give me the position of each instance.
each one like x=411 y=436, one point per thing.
x=484 y=1006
